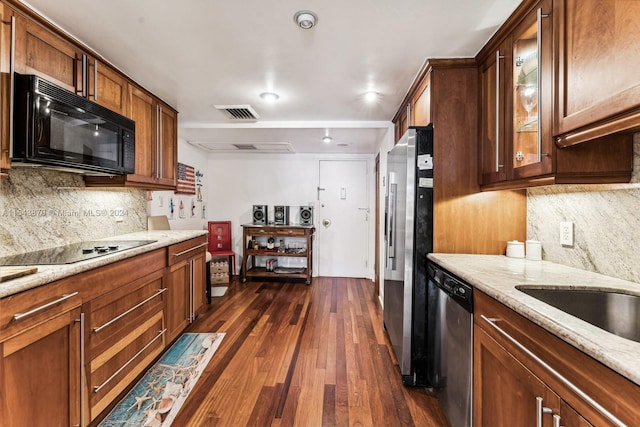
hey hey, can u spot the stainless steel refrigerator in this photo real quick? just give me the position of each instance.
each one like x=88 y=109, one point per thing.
x=409 y=238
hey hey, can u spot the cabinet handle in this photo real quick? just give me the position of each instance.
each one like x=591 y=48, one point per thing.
x=82 y=375
x=539 y=47
x=562 y=379
x=95 y=79
x=498 y=58
x=160 y=171
x=96 y=389
x=191 y=249
x=540 y=411
x=12 y=66
x=85 y=67
x=191 y=291
x=556 y=420
x=20 y=316
x=135 y=307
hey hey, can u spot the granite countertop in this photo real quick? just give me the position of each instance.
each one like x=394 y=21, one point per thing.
x=49 y=273
x=497 y=276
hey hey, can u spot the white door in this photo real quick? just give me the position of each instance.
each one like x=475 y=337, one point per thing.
x=343 y=215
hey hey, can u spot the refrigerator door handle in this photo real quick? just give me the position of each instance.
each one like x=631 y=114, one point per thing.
x=391 y=242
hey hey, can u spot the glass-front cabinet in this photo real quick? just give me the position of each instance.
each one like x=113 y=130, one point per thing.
x=531 y=93
x=516 y=97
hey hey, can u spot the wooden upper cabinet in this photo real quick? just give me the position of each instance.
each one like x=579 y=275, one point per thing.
x=41 y=52
x=168 y=145
x=402 y=122
x=492 y=151
x=108 y=87
x=142 y=111
x=421 y=102
x=7 y=27
x=518 y=79
x=597 y=80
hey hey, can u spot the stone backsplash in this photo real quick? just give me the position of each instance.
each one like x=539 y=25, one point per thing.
x=606 y=222
x=42 y=208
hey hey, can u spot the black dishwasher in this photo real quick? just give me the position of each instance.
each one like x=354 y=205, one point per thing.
x=450 y=338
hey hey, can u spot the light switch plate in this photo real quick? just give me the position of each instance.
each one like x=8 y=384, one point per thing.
x=566 y=233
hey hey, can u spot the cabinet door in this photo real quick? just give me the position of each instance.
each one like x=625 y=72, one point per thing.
x=142 y=110
x=505 y=392
x=570 y=418
x=40 y=381
x=198 y=265
x=6 y=48
x=168 y=146
x=422 y=103
x=530 y=92
x=177 y=299
x=107 y=87
x=493 y=73
x=402 y=124
x=41 y=52
x=597 y=42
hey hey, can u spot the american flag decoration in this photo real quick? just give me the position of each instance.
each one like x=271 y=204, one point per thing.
x=186 y=179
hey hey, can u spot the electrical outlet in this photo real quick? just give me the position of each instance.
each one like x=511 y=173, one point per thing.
x=566 y=233
x=119 y=214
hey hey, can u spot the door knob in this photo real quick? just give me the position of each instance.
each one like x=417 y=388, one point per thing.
x=326 y=222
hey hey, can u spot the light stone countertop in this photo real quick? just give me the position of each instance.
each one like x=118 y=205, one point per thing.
x=497 y=276
x=50 y=273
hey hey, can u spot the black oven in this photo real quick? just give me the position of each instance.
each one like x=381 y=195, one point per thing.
x=56 y=128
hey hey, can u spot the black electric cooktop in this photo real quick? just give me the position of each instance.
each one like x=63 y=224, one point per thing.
x=75 y=252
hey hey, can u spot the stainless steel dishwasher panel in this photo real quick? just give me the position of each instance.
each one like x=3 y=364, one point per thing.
x=451 y=340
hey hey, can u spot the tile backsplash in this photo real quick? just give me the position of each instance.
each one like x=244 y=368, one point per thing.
x=42 y=208
x=606 y=224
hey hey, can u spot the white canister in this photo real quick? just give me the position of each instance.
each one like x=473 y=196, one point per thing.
x=534 y=250
x=515 y=249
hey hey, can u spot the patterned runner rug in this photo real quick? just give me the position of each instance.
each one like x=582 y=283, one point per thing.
x=157 y=397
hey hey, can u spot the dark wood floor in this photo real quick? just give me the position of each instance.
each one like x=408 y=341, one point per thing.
x=298 y=355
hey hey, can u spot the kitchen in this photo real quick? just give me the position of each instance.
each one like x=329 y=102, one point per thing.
x=602 y=244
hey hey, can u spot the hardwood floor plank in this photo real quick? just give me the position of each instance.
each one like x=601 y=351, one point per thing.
x=298 y=355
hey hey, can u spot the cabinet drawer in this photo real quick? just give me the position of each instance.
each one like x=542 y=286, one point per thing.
x=35 y=306
x=114 y=314
x=114 y=370
x=274 y=231
x=184 y=250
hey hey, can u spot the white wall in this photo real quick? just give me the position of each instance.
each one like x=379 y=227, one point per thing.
x=160 y=200
x=236 y=182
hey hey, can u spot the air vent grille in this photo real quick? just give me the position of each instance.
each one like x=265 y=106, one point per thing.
x=245 y=146
x=238 y=112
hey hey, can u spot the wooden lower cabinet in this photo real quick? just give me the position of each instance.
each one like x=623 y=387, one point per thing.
x=125 y=332
x=40 y=372
x=511 y=394
x=514 y=385
x=186 y=284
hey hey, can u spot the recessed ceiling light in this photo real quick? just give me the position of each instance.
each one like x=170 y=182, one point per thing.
x=327 y=139
x=371 y=96
x=305 y=19
x=269 y=96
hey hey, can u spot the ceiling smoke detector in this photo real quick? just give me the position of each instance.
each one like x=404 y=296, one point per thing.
x=305 y=19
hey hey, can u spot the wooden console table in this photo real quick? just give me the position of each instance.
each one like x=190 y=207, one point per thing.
x=257 y=250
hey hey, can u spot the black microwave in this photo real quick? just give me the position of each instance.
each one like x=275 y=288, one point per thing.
x=56 y=128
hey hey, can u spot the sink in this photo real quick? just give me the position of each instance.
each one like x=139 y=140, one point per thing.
x=612 y=311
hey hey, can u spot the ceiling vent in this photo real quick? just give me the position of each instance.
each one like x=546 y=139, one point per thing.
x=256 y=147
x=245 y=146
x=239 y=112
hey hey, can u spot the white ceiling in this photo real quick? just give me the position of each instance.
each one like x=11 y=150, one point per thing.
x=198 y=53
